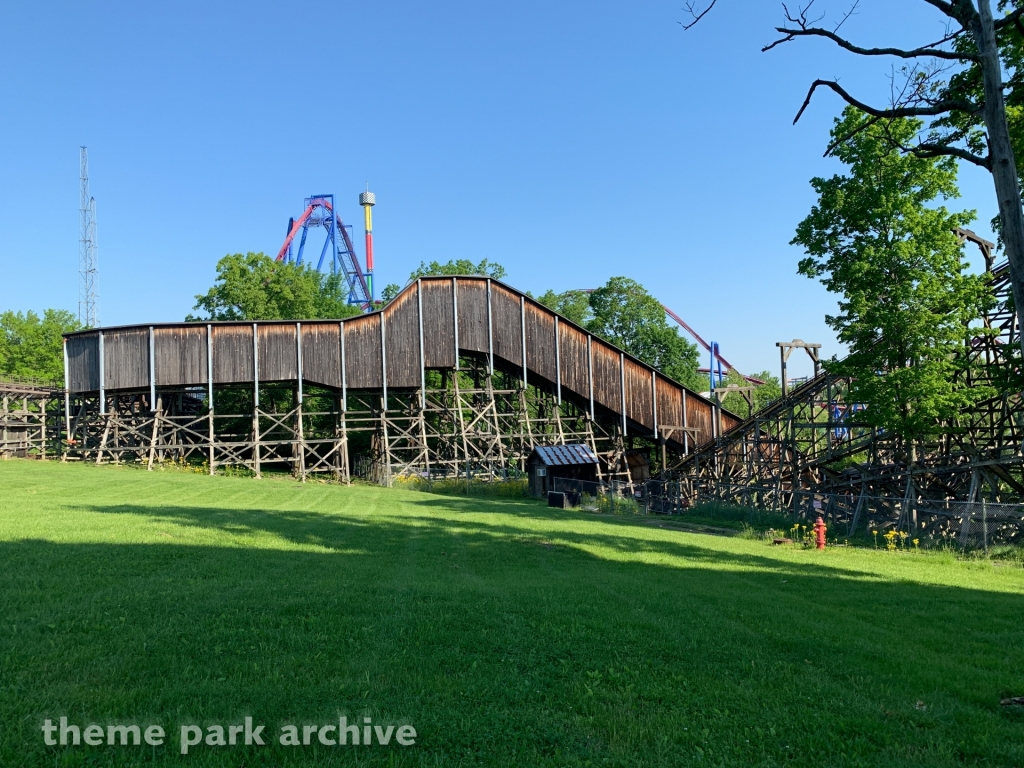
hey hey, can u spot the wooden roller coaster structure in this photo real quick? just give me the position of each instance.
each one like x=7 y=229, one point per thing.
x=814 y=439
x=455 y=376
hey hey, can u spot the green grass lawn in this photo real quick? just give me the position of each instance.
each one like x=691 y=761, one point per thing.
x=505 y=633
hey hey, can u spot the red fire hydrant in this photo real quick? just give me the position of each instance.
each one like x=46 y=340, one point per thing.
x=819 y=533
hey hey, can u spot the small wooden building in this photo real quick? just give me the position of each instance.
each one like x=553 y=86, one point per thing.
x=576 y=462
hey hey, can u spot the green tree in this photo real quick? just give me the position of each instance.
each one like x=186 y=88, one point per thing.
x=768 y=392
x=390 y=291
x=625 y=314
x=454 y=267
x=764 y=394
x=572 y=305
x=459 y=267
x=878 y=239
x=632 y=319
x=254 y=286
x=972 y=49
x=32 y=346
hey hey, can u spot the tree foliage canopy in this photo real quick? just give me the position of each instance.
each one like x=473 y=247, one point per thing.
x=454 y=267
x=32 y=346
x=763 y=395
x=254 y=286
x=459 y=267
x=877 y=238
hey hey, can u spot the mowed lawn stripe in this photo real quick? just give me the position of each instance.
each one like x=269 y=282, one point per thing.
x=507 y=633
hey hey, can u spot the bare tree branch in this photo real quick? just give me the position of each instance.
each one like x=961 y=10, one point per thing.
x=847 y=15
x=839 y=142
x=696 y=16
x=929 y=149
x=802 y=18
x=946 y=8
x=804 y=28
x=922 y=149
x=941 y=148
x=933 y=109
x=937 y=53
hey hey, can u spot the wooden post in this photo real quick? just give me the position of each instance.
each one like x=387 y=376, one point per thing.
x=423 y=362
x=654 y=401
x=387 y=441
x=103 y=391
x=686 y=423
x=522 y=328
x=42 y=429
x=558 y=366
x=209 y=394
x=344 y=383
x=152 y=372
x=298 y=360
x=490 y=333
x=590 y=373
x=622 y=390
x=301 y=437
x=461 y=420
x=455 y=315
x=384 y=365
x=256 y=400
x=157 y=407
x=782 y=357
x=67 y=404
x=300 y=430
x=5 y=412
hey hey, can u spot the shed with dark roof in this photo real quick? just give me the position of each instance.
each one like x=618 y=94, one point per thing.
x=547 y=462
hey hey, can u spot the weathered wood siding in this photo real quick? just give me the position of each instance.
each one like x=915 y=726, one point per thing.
x=438 y=323
x=540 y=341
x=402 y=328
x=607 y=389
x=698 y=414
x=232 y=354
x=473 y=315
x=126 y=358
x=670 y=406
x=507 y=325
x=321 y=353
x=572 y=356
x=639 y=394
x=729 y=421
x=84 y=362
x=279 y=352
x=180 y=353
x=363 y=352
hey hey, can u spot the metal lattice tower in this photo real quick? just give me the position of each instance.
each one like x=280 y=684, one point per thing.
x=88 y=255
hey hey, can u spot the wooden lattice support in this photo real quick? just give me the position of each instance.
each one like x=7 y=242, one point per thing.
x=811 y=439
x=26 y=412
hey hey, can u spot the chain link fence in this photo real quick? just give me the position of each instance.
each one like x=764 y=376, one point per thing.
x=977 y=524
x=981 y=524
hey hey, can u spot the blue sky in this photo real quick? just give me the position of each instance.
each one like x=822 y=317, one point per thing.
x=569 y=141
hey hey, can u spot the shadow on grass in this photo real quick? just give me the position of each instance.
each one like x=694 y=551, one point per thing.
x=500 y=648
x=621 y=540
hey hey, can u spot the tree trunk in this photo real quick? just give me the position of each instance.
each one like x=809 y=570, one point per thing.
x=1004 y=166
